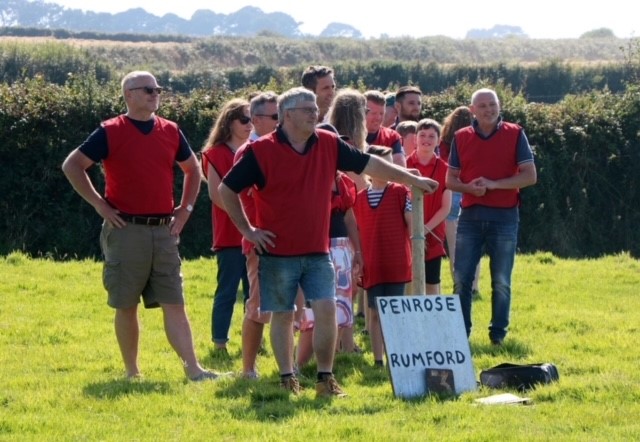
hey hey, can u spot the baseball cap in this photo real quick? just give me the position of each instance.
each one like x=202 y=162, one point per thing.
x=390 y=99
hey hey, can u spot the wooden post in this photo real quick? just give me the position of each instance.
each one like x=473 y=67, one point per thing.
x=417 y=242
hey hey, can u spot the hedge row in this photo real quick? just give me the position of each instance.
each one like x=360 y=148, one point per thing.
x=586 y=202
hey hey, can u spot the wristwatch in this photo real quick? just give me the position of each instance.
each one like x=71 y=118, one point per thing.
x=189 y=208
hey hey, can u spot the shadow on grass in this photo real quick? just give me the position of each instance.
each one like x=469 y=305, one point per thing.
x=509 y=347
x=123 y=387
x=220 y=361
x=268 y=402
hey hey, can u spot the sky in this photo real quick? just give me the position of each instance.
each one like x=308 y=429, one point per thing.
x=537 y=18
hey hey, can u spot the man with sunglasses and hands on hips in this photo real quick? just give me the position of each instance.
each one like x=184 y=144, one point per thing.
x=141 y=228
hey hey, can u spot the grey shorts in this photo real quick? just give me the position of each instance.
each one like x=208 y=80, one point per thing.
x=140 y=261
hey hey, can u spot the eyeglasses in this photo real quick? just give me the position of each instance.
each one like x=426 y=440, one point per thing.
x=148 y=89
x=244 y=119
x=307 y=110
x=274 y=117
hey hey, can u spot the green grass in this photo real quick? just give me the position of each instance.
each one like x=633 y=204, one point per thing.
x=62 y=377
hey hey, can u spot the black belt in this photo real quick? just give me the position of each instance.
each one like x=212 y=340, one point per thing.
x=146 y=220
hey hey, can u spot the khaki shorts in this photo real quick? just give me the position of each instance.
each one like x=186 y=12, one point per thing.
x=142 y=261
x=252 y=306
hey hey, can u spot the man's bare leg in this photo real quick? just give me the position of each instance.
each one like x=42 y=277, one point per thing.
x=128 y=333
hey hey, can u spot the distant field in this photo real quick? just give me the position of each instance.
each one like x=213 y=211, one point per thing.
x=91 y=43
x=236 y=52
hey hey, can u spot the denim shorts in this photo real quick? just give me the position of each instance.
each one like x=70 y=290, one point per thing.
x=280 y=276
x=454 y=213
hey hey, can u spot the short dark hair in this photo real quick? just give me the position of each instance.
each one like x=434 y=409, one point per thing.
x=404 y=90
x=311 y=75
x=428 y=123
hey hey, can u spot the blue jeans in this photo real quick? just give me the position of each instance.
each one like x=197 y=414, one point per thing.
x=280 y=277
x=499 y=240
x=454 y=213
x=231 y=270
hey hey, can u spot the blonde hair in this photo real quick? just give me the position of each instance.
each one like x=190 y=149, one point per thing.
x=347 y=115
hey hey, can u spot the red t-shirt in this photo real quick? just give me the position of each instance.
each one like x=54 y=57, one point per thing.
x=246 y=199
x=387 y=137
x=493 y=158
x=139 y=167
x=444 y=149
x=295 y=202
x=225 y=233
x=436 y=170
x=345 y=197
x=384 y=239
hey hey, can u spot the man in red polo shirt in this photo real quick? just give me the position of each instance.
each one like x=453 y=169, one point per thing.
x=141 y=228
x=292 y=172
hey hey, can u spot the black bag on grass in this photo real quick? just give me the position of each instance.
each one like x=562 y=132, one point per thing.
x=520 y=377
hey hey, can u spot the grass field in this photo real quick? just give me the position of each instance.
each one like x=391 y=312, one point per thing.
x=62 y=376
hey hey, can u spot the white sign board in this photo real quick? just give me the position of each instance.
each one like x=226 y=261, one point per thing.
x=424 y=335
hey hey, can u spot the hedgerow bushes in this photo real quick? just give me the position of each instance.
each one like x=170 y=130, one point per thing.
x=51 y=60
x=587 y=147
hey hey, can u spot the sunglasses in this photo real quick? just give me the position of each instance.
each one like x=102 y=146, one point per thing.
x=148 y=89
x=244 y=119
x=274 y=117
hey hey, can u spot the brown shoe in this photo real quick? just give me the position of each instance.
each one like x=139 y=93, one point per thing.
x=329 y=388
x=291 y=384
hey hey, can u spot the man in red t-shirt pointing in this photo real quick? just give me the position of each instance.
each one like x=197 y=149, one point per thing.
x=292 y=171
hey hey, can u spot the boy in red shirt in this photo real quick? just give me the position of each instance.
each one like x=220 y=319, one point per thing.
x=436 y=205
